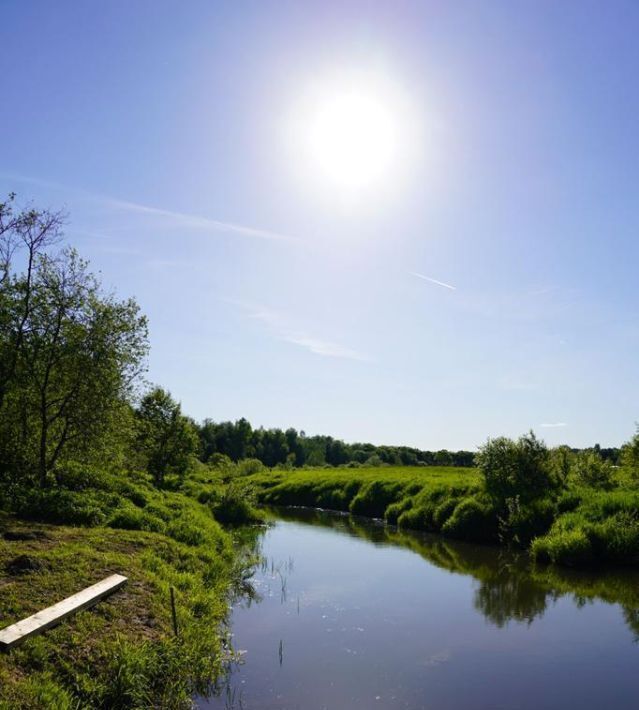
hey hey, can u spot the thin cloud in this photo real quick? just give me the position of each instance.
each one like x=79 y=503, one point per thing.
x=182 y=219
x=197 y=222
x=323 y=347
x=279 y=327
x=433 y=281
x=553 y=425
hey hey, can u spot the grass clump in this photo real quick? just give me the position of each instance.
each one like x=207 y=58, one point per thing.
x=472 y=519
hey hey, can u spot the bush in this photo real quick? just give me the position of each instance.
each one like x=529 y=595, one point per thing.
x=516 y=468
x=64 y=507
x=234 y=506
x=78 y=477
x=523 y=523
x=591 y=470
x=248 y=467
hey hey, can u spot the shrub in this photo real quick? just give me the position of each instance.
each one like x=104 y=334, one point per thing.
x=630 y=457
x=591 y=470
x=62 y=506
x=525 y=522
x=516 y=468
x=78 y=477
x=234 y=506
x=248 y=467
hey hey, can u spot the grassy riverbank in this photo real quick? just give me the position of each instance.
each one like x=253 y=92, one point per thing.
x=123 y=653
x=55 y=541
x=573 y=524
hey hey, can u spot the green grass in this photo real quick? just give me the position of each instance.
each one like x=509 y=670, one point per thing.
x=361 y=491
x=596 y=526
x=575 y=526
x=122 y=653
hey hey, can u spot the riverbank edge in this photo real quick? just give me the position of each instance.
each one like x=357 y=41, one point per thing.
x=576 y=527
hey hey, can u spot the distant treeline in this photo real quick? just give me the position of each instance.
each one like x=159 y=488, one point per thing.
x=277 y=447
x=239 y=440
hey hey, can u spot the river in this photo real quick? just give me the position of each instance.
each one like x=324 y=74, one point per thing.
x=349 y=614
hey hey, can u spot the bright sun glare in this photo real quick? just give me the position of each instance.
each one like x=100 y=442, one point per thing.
x=350 y=131
x=352 y=138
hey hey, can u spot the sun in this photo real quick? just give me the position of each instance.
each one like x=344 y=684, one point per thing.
x=348 y=132
x=351 y=138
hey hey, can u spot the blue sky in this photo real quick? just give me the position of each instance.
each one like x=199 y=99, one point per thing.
x=164 y=130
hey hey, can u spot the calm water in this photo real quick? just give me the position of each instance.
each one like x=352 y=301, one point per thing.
x=351 y=614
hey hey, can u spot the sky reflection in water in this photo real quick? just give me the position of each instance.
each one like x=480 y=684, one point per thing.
x=355 y=615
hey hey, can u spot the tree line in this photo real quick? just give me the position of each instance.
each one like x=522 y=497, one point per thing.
x=277 y=447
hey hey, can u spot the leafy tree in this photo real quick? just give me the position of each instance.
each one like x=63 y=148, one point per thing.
x=69 y=353
x=29 y=231
x=166 y=438
x=562 y=460
x=591 y=470
x=273 y=448
x=516 y=468
x=630 y=456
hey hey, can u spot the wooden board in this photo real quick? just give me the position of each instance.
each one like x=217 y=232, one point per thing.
x=20 y=631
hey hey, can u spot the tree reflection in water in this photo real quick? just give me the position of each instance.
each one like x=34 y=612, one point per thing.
x=511 y=587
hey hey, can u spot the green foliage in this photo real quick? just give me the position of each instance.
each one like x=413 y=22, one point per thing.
x=395 y=510
x=293 y=449
x=602 y=527
x=131 y=518
x=69 y=353
x=63 y=506
x=472 y=519
x=373 y=499
x=589 y=469
x=630 y=457
x=521 y=523
x=234 y=505
x=516 y=468
x=163 y=538
x=375 y=489
x=166 y=439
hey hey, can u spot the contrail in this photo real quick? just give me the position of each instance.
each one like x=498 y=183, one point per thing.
x=182 y=218
x=433 y=281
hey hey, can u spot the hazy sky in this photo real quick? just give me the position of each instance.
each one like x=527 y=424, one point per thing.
x=484 y=283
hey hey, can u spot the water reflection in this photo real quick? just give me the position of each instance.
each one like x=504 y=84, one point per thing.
x=510 y=587
x=346 y=613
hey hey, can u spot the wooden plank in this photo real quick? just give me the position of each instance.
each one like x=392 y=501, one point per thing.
x=20 y=631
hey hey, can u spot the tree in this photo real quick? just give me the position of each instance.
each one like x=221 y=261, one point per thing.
x=31 y=231
x=69 y=353
x=630 y=456
x=167 y=439
x=562 y=460
x=591 y=470
x=514 y=469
